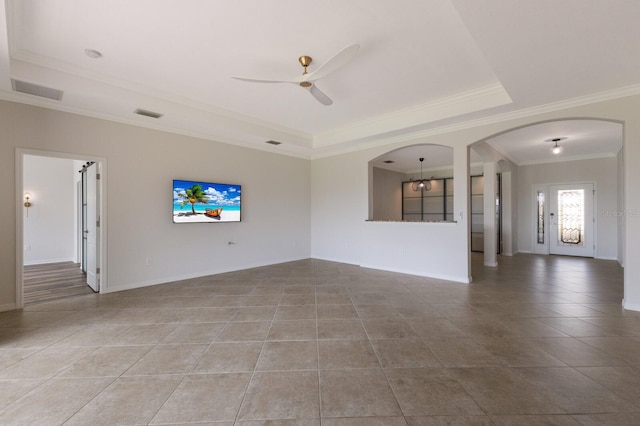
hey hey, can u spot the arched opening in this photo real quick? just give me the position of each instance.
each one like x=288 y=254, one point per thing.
x=413 y=183
x=529 y=217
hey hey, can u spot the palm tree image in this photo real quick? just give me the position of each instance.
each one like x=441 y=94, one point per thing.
x=193 y=195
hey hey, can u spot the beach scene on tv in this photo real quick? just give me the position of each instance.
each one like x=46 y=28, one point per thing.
x=205 y=202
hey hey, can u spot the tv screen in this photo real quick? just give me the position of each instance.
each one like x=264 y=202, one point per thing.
x=205 y=202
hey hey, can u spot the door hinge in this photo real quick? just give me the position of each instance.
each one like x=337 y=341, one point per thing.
x=97 y=224
x=97 y=176
x=97 y=270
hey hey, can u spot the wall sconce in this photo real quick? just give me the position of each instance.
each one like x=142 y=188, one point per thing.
x=27 y=202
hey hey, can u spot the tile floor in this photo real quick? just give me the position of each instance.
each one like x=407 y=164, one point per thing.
x=540 y=340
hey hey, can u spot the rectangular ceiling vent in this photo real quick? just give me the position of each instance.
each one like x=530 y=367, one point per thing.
x=148 y=113
x=274 y=142
x=36 y=90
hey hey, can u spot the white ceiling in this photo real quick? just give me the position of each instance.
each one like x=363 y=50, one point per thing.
x=421 y=65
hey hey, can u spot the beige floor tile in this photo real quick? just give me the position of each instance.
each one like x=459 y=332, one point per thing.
x=617 y=419
x=520 y=353
x=44 y=364
x=504 y=391
x=306 y=312
x=502 y=339
x=53 y=402
x=142 y=334
x=623 y=381
x=342 y=354
x=577 y=353
x=167 y=359
x=128 y=400
x=194 y=333
x=388 y=328
x=11 y=390
x=298 y=299
x=463 y=352
x=449 y=421
x=341 y=329
x=281 y=395
x=244 y=331
x=357 y=393
x=229 y=358
x=404 y=353
x=365 y=421
x=292 y=330
x=301 y=355
x=108 y=361
x=526 y=420
x=430 y=391
x=573 y=391
x=254 y=313
x=204 y=398
x=282 y=422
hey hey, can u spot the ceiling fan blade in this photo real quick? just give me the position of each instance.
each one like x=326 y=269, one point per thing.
x=320 y=96
x=255 y=80
x=338 y=61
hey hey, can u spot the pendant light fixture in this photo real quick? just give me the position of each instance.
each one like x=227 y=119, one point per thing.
x=556 y=149
x=422 y=184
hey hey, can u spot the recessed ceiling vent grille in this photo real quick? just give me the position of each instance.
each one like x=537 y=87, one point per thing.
x=36 y=90
x=148 y=113
x=274 y=142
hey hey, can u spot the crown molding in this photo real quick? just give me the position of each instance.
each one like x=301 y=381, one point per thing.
x=476 y=100
x=290 y=150
x=564 y=159
x=622 y=92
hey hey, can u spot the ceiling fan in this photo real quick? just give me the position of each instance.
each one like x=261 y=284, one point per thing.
x=307 y=79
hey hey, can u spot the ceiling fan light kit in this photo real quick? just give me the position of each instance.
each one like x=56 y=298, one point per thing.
x=307 y=79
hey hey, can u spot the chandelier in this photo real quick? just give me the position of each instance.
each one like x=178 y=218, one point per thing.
x=421 y=184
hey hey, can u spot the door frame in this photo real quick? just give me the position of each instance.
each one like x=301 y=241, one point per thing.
x=19 y=190
x=546 y=190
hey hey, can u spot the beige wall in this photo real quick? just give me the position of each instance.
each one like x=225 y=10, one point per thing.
x=387 y=194
x=141 y=164
x=452 y=242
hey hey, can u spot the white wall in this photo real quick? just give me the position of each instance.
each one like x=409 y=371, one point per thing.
x=603 y=172
x=141 y=166
x=387 y=194
x=621 y=208
x=49 y=224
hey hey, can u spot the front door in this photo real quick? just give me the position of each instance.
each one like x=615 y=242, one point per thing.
x=571 y=220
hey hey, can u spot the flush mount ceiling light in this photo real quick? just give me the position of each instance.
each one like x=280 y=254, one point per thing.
x=556 y=149
x=422 y=184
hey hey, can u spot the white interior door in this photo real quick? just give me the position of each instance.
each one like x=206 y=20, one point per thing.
x=91 y=230
x=571 y=220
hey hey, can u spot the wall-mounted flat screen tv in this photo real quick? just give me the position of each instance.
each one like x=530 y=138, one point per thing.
x=205 y=202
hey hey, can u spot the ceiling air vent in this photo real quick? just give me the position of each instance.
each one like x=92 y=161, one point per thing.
x=148 y=113
x=36 y=90
x=388 y=161
x=274 y=142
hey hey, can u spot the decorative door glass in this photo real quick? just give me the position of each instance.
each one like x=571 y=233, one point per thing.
x=571 y=218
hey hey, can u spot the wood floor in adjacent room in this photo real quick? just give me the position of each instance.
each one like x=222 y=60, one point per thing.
x=54 y=281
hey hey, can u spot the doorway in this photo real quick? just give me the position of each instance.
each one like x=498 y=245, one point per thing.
x=44 y=205
x=571 y=220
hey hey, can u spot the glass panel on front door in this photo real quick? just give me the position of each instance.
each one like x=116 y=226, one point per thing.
x=571 y=218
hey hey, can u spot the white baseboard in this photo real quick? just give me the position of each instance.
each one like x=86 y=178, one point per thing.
x=455 y=278
x=164 y=280
x=45 y=261
x=8 y=307
x=491 y=264
x=630 y=306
